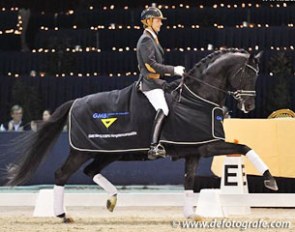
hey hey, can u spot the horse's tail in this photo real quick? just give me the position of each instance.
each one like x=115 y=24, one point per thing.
x=35 y=145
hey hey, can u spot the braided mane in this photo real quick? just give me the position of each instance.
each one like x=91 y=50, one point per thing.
x=204 y=63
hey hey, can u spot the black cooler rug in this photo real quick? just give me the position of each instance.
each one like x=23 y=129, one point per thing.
x=121 y=120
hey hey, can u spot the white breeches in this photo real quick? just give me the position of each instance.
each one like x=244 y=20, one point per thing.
x=157 y=99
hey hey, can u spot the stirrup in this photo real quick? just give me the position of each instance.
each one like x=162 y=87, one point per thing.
x=156 y=151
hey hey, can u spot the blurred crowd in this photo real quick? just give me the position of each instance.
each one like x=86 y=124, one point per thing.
x=16 y=123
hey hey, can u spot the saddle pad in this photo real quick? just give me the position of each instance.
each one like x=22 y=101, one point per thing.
x=121 y=120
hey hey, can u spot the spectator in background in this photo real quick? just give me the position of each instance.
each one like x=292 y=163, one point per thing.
x=16 y=124
x=35 y=125
x=46 y=115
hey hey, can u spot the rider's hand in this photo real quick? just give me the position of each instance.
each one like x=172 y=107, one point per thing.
x=179 y=70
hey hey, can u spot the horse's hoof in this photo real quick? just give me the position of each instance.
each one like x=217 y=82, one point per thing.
x=271 y=184
x=111 y=203
x=191 y=215
x=196 y=218
x=68 y=220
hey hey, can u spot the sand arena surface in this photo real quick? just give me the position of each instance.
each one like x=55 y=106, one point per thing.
x=128 y=219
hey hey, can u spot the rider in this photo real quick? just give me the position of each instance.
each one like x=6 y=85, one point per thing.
x=150 y=63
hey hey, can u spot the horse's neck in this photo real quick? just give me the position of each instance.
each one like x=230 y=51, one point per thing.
x=205 y=88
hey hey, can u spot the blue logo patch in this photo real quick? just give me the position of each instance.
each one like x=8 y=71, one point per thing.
x=108 y=115
x=219 y=118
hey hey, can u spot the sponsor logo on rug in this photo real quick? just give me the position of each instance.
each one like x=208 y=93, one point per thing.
x=108 y=119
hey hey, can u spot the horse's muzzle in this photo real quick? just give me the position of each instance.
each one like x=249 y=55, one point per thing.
x=246 y=105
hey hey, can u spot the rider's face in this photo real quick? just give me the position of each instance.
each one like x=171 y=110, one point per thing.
x=157 y=23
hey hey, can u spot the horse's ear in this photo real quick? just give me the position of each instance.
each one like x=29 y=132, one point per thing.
x=251 y=57
x=258 y=56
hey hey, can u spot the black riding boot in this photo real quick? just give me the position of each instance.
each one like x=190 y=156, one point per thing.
x=156 y=149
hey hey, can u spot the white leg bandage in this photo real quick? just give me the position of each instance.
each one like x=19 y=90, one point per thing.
x=189 y=200
x=256 y=161
x=58 y=200
x=157 y=99
x=105 y=184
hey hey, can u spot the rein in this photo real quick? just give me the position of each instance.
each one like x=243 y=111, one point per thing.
x=237 y=95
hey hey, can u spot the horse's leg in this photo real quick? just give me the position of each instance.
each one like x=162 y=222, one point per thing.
x=71 y=165
x=93 y=171
x=191 y=163
x=225 y=148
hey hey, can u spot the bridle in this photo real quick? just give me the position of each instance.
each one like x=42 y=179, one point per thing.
x=237 y=94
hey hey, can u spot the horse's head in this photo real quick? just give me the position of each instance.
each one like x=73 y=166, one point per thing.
x=231 y=71
x=242 y=81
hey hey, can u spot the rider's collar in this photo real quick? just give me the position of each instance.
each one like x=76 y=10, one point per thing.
x=154 y=35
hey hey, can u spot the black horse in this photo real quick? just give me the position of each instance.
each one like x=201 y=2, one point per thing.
x=204 y=87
